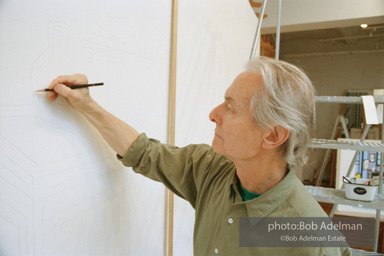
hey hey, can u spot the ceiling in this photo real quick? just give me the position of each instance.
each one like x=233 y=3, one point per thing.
x=343 y=40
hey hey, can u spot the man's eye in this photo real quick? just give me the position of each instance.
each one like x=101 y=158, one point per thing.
x=229 y=108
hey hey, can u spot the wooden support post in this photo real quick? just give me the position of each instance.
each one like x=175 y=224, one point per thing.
x=169 y=196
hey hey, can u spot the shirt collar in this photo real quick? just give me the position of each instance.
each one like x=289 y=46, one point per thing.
x=267 y=202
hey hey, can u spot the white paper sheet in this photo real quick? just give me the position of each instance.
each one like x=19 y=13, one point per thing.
x=370 y=110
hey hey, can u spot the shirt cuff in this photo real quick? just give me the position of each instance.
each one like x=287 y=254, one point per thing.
x=133 y=156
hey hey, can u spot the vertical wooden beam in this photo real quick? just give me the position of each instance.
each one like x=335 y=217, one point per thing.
x=172 y=77
x=169 y=196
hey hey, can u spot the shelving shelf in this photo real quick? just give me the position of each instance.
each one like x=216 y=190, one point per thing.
x=352 y=145
x=337 y=196
x=356 y=252
x=346 y=99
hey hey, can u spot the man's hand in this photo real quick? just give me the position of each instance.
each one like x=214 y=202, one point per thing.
x=78 y=98
x=119 y=135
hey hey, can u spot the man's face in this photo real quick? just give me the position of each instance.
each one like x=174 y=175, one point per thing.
x=236 y=135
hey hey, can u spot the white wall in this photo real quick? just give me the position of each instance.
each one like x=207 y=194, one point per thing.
x=333 y=75
x=299 y=15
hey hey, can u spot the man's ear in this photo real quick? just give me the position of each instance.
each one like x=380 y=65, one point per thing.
x=275 y=137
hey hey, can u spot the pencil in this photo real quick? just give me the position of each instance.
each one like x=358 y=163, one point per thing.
x=72 y=87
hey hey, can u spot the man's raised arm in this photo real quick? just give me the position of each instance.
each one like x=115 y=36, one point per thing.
x=119 y=135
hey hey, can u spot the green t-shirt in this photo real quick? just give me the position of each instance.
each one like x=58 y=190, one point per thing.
x=247 y=195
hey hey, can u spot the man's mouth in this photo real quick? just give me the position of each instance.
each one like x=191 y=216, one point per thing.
x=218 y=135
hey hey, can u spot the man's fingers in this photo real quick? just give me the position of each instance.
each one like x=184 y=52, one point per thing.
x=60 y=85
x=52 y=96
x=63 y=90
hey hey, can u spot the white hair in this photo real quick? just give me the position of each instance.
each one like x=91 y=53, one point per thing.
x=287 y=99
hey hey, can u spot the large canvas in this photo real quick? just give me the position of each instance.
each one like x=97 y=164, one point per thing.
x=62 y=191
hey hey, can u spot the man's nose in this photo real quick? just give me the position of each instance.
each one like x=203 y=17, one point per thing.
x=214 y=116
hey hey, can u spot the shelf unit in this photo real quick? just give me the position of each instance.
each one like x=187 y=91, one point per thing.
x=337 y=196
x=364 y=253
x=345 y=99
x=352 y=145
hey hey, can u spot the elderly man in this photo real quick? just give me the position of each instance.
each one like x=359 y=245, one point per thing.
x=262 y=131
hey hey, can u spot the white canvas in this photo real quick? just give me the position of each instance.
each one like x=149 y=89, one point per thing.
x=62 y=191
x=214 y=44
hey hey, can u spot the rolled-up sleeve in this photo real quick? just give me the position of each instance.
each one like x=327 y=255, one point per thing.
x=182 y=170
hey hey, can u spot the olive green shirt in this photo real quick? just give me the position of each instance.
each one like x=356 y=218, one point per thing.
x=209 y=182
